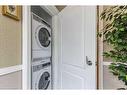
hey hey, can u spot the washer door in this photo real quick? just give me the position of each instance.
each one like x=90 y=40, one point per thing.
x=43 y=37
x=44 y=81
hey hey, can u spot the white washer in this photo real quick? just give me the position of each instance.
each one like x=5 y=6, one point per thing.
x=41 y=36
x=41 y=74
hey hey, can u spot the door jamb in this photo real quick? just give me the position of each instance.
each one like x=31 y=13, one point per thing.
x=100 y=51
x=26 y=48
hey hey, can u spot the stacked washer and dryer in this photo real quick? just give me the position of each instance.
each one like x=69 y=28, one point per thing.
x=41 y=53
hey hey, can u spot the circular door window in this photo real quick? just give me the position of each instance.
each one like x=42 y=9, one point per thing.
x=44 y=37
x=44 y=81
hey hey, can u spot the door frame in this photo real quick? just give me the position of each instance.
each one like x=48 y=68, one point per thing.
x=100 y=61
x=26 y=45
x=26 y=42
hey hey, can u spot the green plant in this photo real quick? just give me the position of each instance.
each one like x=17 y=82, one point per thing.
x=120 y=70
x=115 y=34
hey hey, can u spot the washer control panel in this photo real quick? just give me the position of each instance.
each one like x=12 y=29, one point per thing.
x=40 y=66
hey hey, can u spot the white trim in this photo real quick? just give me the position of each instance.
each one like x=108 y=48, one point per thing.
x=52 y=10
x=26 y=48
x=11 y=69
x=55 y=50
x=107 y=63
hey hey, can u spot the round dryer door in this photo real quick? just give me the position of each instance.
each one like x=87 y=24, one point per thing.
x=44 y=81
x=43 y=37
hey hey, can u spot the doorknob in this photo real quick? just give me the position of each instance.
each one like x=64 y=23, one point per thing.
x=88 y=62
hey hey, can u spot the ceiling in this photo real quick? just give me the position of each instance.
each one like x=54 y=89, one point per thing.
x=60 y=7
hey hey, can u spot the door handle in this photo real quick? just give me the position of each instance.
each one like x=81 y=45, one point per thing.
x=88 y=62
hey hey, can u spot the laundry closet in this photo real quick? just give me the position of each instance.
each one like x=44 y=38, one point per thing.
x=41 y=26
x=60 y=51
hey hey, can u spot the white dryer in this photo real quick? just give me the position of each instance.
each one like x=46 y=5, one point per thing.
x=41 y=36
x=41 y=75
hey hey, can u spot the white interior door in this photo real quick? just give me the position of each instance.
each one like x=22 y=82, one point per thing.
x=77 y=39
